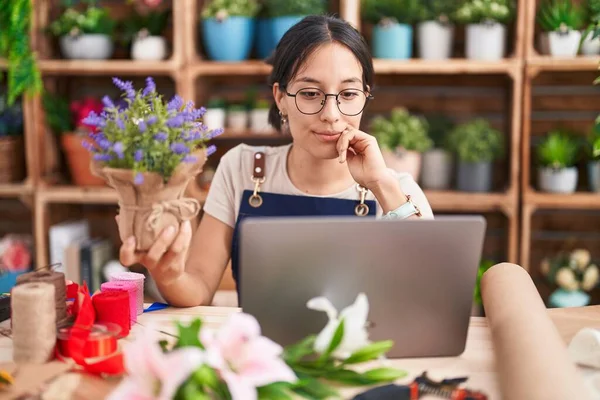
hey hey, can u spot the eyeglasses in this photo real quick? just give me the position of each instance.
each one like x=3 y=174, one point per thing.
x=312 y=100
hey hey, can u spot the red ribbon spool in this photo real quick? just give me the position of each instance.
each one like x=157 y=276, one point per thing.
x=101 y=342
x=113 y=307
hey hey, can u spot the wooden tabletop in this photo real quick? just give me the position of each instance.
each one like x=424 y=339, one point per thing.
x=477 y=362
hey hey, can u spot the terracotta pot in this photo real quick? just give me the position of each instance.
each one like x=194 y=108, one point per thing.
x=79 y=159
x=12 y=159
x=403 y=161
x=146 y=209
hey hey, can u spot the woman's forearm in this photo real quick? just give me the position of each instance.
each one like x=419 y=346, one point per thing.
x=186 y=291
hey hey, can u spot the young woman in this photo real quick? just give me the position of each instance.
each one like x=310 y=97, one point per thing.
x=321 y=79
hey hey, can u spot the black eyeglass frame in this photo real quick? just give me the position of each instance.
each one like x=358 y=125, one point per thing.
x=368 y=97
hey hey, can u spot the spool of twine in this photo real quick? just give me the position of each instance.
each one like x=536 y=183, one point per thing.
x=127 y=287
x=56 y=279
x=138 y=280
x=33 y=322
x=113 y=307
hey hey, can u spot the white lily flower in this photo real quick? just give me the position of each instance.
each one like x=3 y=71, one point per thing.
x=355 y=325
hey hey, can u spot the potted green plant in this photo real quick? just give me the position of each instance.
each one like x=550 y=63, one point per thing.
x=259 y=117
x=560 y=22
x=486 y=31
x=85 y=34
x=478 y=309
x=403 y=138
x=476 y=144
x=435 y=31
x=145 y=34
x=237 y=117
x=590 y=45
x=593 y=165
x=228 y=28
x=216 y=113
x=12 y=149
x=285 y=13
x=392 y=21
x=557 y=155
x=437 y=162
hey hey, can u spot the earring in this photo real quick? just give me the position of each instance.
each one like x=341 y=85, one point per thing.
x=283 y=118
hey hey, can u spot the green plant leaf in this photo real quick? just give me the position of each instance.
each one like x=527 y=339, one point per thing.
x=559 y=149
x=189 y=335
x=297 y=351
x=275 y=391
x=335 y=342
x=370 y=352
x=379 y=375
x=348 y=377
x=314 y=389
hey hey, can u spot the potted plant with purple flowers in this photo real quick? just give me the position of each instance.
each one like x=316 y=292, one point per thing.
x=148 y=151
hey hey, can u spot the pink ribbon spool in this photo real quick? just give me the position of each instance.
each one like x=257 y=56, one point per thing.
x=130 y=288
x=138 y=280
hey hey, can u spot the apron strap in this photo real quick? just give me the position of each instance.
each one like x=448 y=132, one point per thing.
x=258 y=177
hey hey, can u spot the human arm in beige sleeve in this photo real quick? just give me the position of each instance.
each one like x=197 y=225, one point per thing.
x=410 y=187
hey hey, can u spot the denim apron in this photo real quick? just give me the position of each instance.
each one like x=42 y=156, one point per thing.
x=256 y=204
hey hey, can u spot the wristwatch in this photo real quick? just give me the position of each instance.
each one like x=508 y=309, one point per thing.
x=404 y=211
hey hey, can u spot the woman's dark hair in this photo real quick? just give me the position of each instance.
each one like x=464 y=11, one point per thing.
x=302 y=39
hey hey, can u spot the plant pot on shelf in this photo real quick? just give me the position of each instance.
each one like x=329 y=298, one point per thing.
x=486 y=41
x=544 y=43
x=229 y=39
x=280 y=25
x=561 y=180
x=435 y=40
x=87 y=47
x=214 y=118
x=590 y=47
x=265 y=41
x=474 y=176
x=436 y=170
x=568 y=298
x=401 y=160
x=259 y=121
x=147 y=208
x=237 y=120
x=594 y=175
x=12 y=159
x=149 y=48
x=564 y=44
x=79 y=160
x=392 y=40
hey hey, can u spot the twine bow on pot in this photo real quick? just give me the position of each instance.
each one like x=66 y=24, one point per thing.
x=183 y=209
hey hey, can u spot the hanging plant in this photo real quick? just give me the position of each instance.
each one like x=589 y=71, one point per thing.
x=23 y=73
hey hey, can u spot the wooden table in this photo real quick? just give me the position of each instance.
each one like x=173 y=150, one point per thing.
x=477 y=362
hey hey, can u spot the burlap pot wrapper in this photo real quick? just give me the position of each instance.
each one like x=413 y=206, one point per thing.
x=146 y=209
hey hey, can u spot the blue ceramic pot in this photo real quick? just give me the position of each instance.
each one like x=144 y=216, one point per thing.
x=228 y=40
x=282 y=24
x=393 y=41
x=265 y=38
x=564 y=298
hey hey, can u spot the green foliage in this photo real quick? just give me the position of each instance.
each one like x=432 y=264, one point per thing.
x=384 y=11
x=262 y=104
x=188 y=334
x=480 y=11
x=438 y=10
x=401 y=130
x=58 y=113
x=283 y=8
x=231 y=8
x=440 y=126
x=559 y=149
x=560 y=15
x=23 y=73
x=92 y=20
x=483 y=267
x=216 y=102
x=592 y=142
x=236 y=107
x=151 y=24
x=476 y=141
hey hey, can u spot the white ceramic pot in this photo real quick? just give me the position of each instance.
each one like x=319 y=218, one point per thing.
x=214 y=118
x=594 y=176
x=562 y=180
x=87 y=47
x=590 y=47
x=237 y=120
x=435 y=40
x=259 y=121
x=436 y=171
x=486 y=41
x=564 y=44
x=149 y=48
x=403 y=161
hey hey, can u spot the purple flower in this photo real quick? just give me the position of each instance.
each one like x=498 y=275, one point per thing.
x=124 y=86
x=104 y=144
x=211 y=150
x=118 y=148
x=139 y=178
x=161 y=136
x=102 y=157
x=120 y=123
x=138 y=155
x=107 y=102
x=151 y=120
x=93 y=119
x=142 y=126
x=87 y=145
x=190 y=159
x=215 y=132
x=175 y=104
x=179 y=148
x=150 y=86
x=175 y=122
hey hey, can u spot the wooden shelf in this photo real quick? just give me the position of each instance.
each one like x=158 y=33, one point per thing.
x=452 y=66
x=577 y=200
x=538 y=64
x=107 y=67
x=3 y=63
x=466 y=201
x=15 y=189
x=250 y=67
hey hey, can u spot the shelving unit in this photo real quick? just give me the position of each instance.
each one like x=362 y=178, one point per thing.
x=544 y=66
x=191 y=73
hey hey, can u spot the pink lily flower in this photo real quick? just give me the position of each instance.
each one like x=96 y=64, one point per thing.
x=245 y=359
x=152 y=374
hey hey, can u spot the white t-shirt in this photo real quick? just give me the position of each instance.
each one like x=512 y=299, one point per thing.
x=234 y=173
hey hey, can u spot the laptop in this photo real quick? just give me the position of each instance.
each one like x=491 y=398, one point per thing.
x=418 y=275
